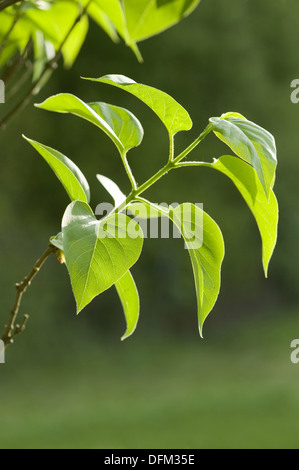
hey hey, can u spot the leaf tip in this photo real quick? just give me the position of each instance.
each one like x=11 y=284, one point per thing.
x=26 y=138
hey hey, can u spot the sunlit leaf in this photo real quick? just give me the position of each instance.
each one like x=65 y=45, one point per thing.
x=171 y=113
x=120 y=125
x=205 y=245
x=112 y=188
x=263 y=208
x=75 y=41
x=66 y=171
x=251 y=143
x=145 y=18
x=97 y=254
x=128 y=294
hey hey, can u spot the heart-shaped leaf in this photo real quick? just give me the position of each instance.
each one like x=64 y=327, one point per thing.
x=204 y=242
x=128 y=294
x=66 y=171
x=97 y=253
x=251 y=143
x=172 y=114
x=119 y=124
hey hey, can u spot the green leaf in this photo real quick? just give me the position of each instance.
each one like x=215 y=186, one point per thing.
x=43 y=52
x=75 y=41
x=54 y=22
x=251 y=143
x=205 y=245
x=97 y=254
x=57 y=241
x=128 y=294
x=206 y=260
x=263 y=208
x=66 y=171
x=172 y=114
x=120 y=125
x=112 y=188
x=103 y=21
x=114 y=9
x=124 y=124
x=145 y=18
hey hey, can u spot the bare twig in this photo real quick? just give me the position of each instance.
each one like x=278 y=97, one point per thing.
x=11 y=330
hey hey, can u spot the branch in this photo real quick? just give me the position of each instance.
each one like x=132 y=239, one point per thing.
x=50 y=65
x=6 y=37
x=11 y=330
x=8 y=3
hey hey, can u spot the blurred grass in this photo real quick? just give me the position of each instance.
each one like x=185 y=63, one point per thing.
x=231 y=390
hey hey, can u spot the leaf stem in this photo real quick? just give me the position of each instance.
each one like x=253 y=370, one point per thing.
x=170 y=165
x=173 y=163
x=129 y=172
x=194 y=144
x=189 y=163
x=171 y=148
x=11 y=330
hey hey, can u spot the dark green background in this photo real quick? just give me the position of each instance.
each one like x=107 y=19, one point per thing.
x=68 y=381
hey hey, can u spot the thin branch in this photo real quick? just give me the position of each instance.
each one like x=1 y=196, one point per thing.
x=8 y=33
x=11 y=330
x=49 y=65
x=26 y=74
x=8 y=3
x=14 y=65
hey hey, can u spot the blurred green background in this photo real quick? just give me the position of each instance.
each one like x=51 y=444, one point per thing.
x=68 y=381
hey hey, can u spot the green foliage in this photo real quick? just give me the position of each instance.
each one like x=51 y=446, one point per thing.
x=40 y=31
x=251 y=143
x=66 y=171
x=99 y=253
x=113 y=120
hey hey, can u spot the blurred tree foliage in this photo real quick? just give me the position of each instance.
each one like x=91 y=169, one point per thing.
x=237 y=55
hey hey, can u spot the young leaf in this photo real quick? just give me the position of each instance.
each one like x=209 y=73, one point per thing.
x=251 y=143
x=204 y=241
x=172 y=114
x=264 y=210
x=57 y=241
x=97 y=254
x=112 y=188
x=120 y=125
x=128 y=294
x=66 y=171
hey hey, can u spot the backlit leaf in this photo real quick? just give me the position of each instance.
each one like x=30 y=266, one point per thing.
x=98 y=254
